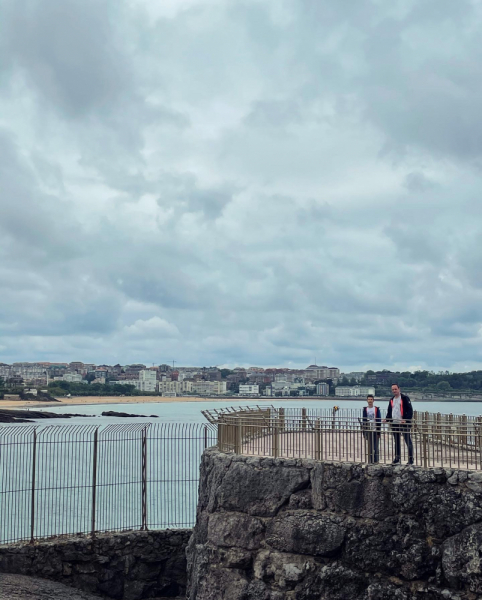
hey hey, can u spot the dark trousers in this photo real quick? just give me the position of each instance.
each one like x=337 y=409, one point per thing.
x=372 y=438
x=397 y=432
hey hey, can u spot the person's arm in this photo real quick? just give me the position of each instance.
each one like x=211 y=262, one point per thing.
x=407 y=409
x=389 y=412
x=364 y=419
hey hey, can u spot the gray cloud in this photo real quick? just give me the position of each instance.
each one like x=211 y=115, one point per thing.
x=70 y=52
x=244 y=182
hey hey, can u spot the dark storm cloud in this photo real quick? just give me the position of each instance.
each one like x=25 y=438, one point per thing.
x=242 y=182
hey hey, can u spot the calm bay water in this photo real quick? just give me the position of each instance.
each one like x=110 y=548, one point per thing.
x=191 y=411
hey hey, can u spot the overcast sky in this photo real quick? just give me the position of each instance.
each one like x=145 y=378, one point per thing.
x=242 y=182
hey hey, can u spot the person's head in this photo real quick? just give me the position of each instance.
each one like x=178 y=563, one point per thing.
x=395 y=389
x=370 y=400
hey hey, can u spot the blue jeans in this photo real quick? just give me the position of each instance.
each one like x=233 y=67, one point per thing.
x=372 y=437
x=397 y=431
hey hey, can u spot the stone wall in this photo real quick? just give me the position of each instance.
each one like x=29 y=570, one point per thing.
x=279 y=529
x=128 y=566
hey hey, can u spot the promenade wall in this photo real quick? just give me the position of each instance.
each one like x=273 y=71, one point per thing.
x=124 y=566
x=292 y=529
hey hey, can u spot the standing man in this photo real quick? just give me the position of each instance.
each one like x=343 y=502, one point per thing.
x=399 y=414
x=372 y=423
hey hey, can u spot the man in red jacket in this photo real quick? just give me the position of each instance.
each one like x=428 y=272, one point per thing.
x=399 y=414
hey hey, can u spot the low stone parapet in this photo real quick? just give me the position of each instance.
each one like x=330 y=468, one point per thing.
x=125 y=566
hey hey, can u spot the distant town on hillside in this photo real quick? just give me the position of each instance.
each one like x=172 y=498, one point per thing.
x=88 y=379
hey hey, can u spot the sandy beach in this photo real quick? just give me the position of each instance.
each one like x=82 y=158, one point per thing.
x=86 y=400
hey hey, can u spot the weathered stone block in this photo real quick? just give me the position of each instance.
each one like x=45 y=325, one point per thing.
x=259 y=492
x=223 y=584
x=462 y=559
x=235 y=529
x=284 y=569
x=305 y=532
x=317 y=485
x=301 y=499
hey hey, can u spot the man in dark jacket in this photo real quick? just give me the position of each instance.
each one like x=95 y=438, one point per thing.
x=372 y=424
x=399 y=414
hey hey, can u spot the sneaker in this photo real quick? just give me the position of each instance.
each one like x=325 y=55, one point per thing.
x=410 y=462
x=395 y=461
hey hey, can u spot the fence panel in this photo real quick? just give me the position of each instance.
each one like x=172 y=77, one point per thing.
x=58 y=480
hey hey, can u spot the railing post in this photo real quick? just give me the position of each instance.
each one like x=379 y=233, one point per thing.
x=238 y=436
x=424 y=441
x=205 y=437
x=275 y=443
x=220 y=434
x=34 y=469
x=369 y=438
x=317 y=440
x=144 y=479
x=478 y=441
x=94 y=480
x=282 y=419
x=464 y=429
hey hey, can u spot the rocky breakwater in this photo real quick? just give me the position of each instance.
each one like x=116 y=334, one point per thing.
x=279 y=529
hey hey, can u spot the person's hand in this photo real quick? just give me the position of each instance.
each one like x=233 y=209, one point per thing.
x=403 y=421
x=384 y=420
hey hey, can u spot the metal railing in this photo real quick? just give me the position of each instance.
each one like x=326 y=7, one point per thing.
x=327 y=413
x=437 y=440
x=59 y=480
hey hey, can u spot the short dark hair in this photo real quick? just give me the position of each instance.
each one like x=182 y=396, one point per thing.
x=370 y=396
x=395 y=383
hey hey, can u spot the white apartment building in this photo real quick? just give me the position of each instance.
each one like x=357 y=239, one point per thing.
x=274 y=388
x=28 y=371
x=219 y=387
x=248 y=390
x=72 y=377
x=365 y=390
x=355 y=390
x=147 y=381
x=209 y=387
x=170 y=388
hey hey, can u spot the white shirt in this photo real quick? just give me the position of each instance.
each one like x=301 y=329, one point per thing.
x=397 y=409
x=371 y=417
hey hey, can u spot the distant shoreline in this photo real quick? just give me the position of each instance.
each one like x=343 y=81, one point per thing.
x=93 y=400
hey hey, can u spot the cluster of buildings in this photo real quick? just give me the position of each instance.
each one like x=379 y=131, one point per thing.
x=170 y=381
x=161 y=379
